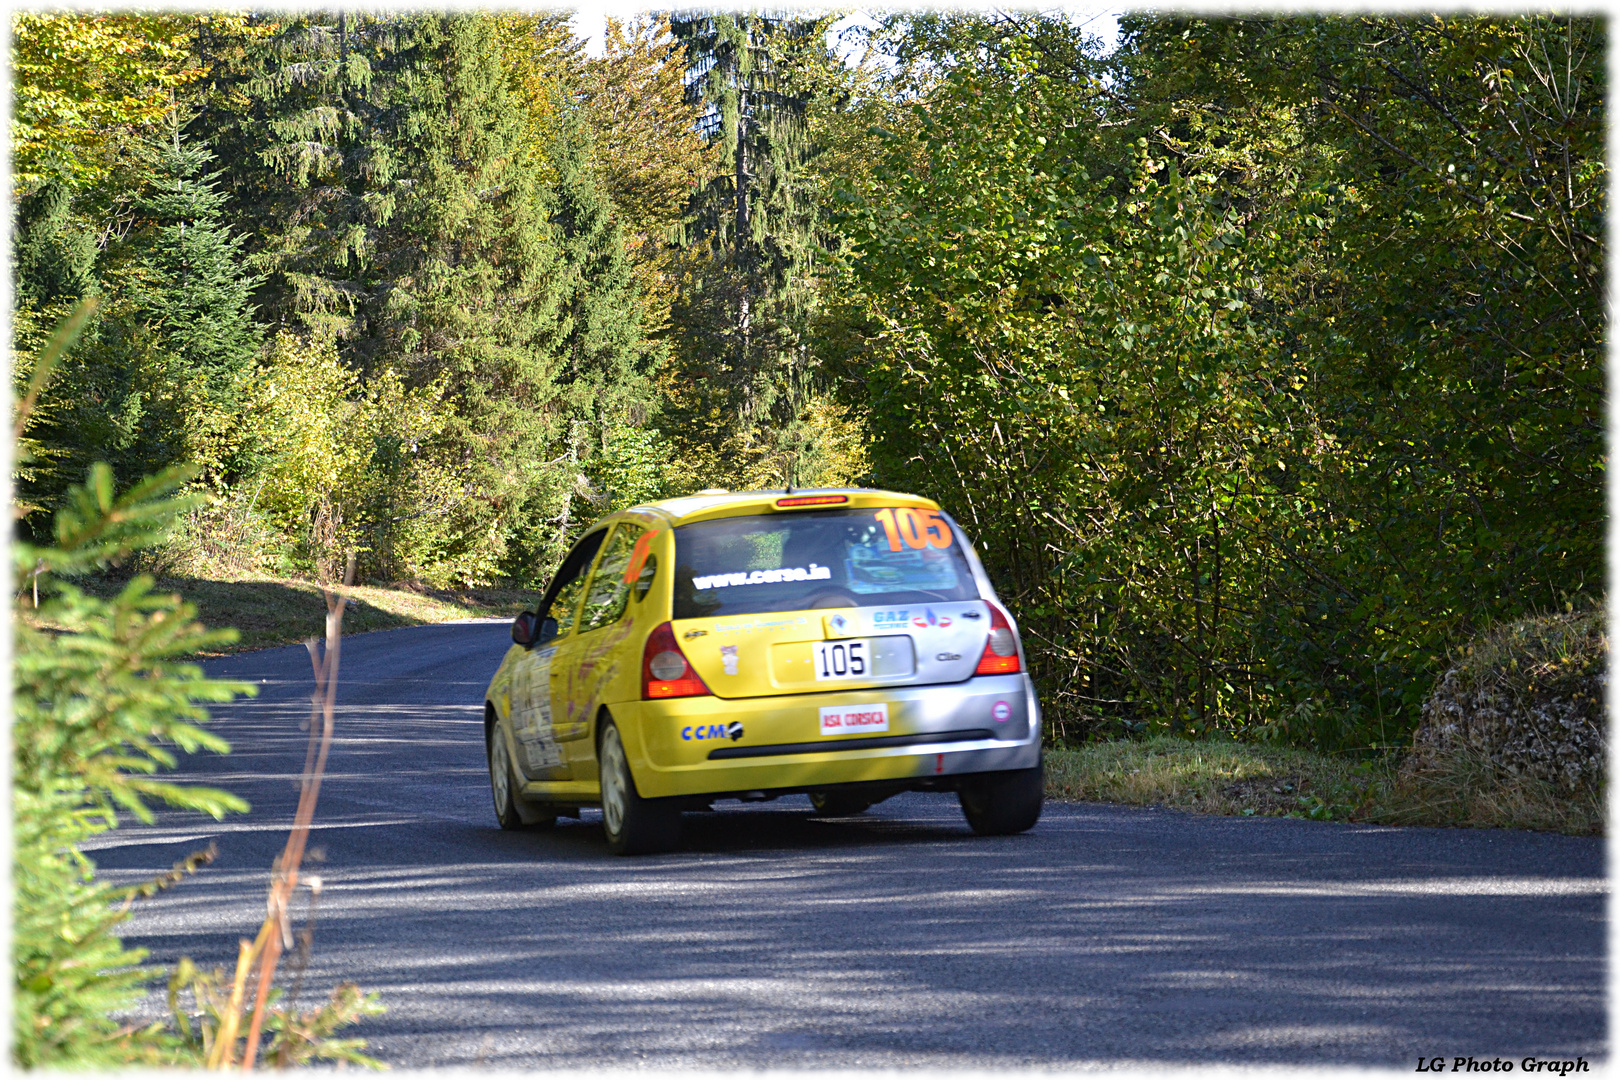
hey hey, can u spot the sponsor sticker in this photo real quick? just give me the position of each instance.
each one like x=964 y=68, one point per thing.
x=763 y=577
x=854 y=719
x=703 y=732
x=638 y=557
x=543 y=754
x=870 y=570
x=728 y=657
x=1001 y=711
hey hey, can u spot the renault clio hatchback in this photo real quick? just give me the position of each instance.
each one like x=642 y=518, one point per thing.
x=841 y=643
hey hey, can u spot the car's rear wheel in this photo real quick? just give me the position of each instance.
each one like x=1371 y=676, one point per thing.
x=999 y=804
x=838 y=804
x=509 y=810
x=634 y=825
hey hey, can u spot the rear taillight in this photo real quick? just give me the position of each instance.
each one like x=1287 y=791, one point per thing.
x=1001 y=651
x=664 y=670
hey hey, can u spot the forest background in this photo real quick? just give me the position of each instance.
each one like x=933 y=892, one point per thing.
x=1261 y=357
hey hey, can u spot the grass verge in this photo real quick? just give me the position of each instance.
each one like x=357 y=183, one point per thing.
x=281 y=611
x=1218 y=777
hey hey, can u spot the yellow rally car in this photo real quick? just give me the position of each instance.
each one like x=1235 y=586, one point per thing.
x=843 y=643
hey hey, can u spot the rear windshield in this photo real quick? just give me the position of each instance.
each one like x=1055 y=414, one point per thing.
x=818 y=559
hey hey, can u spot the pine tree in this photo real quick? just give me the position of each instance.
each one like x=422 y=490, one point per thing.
x=602 y=342
x=159 y=376
x=745 y=313
x=607 y=360
x=53 y=261
x=53 y=255
x=182 y=319
x=190 y=289
x=306 y=118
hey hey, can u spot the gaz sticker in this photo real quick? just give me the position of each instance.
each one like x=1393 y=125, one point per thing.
x=854 y=719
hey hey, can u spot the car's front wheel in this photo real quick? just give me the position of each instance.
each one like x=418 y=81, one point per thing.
x=634 y=825
x=503 y=786
x=999 y=804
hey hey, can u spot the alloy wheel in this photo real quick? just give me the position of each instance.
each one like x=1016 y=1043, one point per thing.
x=614 y=778
x=500 y=771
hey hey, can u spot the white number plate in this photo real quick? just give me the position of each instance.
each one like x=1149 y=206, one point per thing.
x=843 y=659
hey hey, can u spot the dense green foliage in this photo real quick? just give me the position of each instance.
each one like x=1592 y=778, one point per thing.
x=1264 y=356
x=372 y=189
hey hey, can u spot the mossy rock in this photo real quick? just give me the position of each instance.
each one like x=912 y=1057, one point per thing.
x=1529 y=697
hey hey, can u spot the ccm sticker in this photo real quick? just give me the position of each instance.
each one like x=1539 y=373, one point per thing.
x=701 y=732
x=854 y=719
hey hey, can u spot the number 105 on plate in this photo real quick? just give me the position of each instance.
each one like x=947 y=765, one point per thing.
x=843 y=659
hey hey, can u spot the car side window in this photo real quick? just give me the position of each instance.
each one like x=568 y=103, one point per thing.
x=610 y=586
x=562 y=599
x=644 y=580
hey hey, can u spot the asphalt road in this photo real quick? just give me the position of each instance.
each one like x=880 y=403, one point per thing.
x=1106 y=935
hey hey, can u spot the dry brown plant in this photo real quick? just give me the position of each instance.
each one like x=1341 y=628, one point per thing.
x=257 y=960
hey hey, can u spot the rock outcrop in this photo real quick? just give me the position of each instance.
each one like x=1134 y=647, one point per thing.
x=1528 y=695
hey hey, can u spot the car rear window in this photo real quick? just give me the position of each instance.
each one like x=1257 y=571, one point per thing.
x=816 y=559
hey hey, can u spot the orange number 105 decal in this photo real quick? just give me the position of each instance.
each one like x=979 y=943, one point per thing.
x=917 y=528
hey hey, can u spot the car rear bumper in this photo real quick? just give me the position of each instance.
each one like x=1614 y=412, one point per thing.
x=712 y=746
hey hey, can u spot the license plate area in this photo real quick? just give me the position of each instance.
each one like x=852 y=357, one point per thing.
x=841 y=661
x=813 y=666
x=862 y=659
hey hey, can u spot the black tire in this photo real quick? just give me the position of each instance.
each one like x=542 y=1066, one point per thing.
x=1000 y=804
x=838 y=804
x=509 y=808
x=634 y=826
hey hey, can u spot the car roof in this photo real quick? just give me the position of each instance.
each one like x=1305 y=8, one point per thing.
x=713 y=503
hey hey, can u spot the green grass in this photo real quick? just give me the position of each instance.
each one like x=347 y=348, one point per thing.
x=280 y=611
x=1216 y=777
x=1224 y=777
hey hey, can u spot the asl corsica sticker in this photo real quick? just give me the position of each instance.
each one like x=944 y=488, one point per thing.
x=854 y=719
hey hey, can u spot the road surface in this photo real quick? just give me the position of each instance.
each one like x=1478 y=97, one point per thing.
x=1107 y=935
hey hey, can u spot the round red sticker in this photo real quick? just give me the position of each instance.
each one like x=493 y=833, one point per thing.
x=1001 y=710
